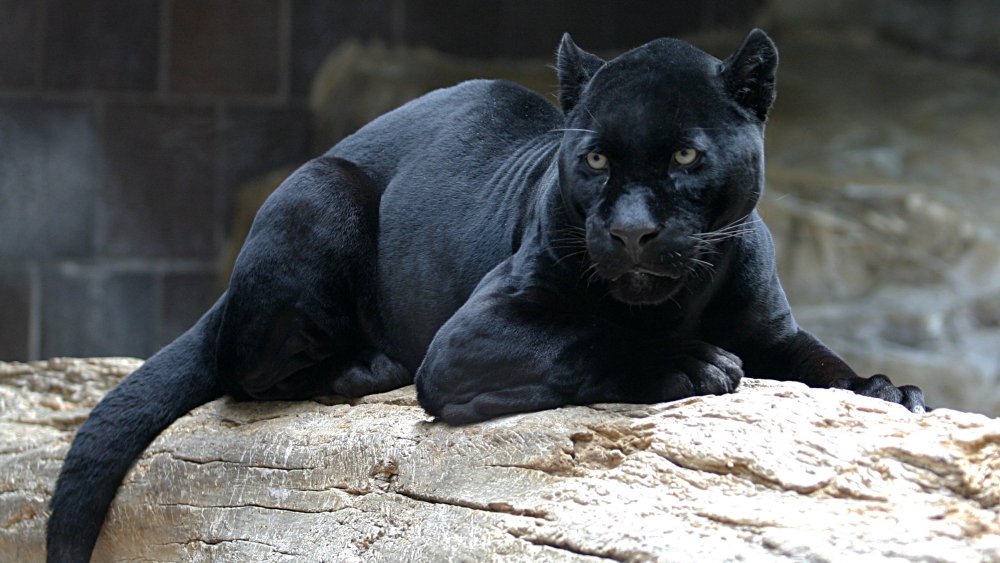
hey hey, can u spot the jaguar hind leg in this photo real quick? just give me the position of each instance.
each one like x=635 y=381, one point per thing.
x=350 y=377
x=374 y=373
x=300 y=317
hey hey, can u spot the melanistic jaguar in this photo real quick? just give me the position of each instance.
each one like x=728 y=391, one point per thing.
x=506 y=255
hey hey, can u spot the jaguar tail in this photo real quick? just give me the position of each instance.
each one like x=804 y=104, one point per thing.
x=178 y=378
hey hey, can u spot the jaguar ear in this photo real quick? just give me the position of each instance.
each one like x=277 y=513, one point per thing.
x=575 y=68
x=749 y=73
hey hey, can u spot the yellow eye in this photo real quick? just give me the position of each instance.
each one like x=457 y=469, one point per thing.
x=686 y=156
x=597 y=161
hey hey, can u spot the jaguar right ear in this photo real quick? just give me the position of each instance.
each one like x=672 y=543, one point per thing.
x=575 y=68
x=749 y=73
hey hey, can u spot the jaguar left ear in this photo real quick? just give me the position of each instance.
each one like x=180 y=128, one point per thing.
x=575 y=68
x=749 y=73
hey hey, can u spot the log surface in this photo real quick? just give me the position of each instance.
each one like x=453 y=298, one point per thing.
x=775 y=471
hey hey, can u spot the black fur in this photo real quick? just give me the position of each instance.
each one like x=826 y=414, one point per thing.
x=575 y=67
x=513 y=257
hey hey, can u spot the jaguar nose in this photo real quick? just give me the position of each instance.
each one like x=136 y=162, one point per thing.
x=633 y=236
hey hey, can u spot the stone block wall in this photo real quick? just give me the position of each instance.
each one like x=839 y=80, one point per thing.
x=126 y=127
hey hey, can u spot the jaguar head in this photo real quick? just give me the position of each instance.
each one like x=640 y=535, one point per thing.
x=662 y=157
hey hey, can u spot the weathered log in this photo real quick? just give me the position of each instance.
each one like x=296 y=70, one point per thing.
x=775 y=471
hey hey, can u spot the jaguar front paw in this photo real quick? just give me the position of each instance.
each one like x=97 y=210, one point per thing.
x=704 y=369
x=879 y=386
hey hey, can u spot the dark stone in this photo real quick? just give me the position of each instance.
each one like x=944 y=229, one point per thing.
x=102 y=44
x=967 y=30
x=19 y=21
x=92 y=311
x=319 y=26
x=514 y=28
x=15 y=327
x=639 y=21
x=159 y=199
x=186 y=297
x=459 y=28
x=48 y=179
x=727 y=14
x=224 y=47
x=533 y=29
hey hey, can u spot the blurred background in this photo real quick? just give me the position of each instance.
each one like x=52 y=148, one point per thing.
x=137 y=139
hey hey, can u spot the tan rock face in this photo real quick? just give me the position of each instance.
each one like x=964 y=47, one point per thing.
x=774 y=471
x=884 y=196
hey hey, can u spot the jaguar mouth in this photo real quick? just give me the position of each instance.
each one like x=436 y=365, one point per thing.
x=641 y=286
x=640 y=273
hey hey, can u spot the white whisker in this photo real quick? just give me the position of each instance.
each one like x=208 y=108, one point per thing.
x=573 y=129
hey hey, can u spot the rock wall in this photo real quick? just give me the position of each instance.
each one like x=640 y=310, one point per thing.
x=884 y=196
x=967 y=30
x=775 y=471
